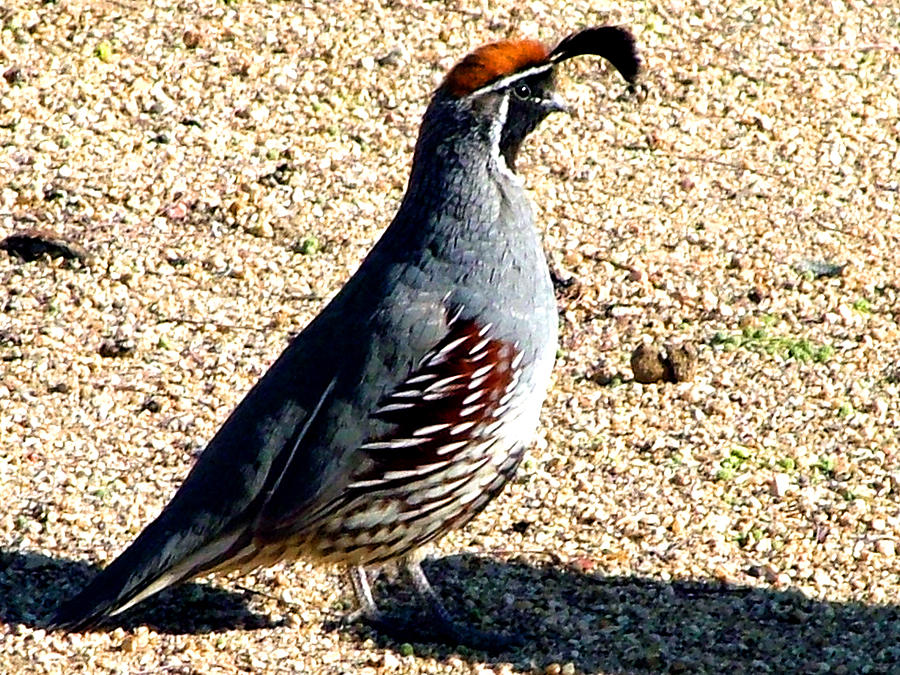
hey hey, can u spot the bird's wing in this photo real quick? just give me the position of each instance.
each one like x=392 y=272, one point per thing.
x=449 y=397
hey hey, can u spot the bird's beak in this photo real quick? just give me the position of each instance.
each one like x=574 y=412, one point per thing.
x=556 y=104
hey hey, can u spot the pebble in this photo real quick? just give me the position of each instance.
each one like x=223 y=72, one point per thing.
x=886 y=547
x=779 y=484
x=647 y=364
x=680 y=362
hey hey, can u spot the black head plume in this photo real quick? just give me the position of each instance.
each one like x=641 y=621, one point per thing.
x=614 y=43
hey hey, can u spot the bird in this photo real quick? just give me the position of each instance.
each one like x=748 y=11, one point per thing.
x=404 y=407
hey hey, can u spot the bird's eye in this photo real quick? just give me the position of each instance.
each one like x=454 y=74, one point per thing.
x=522 y=91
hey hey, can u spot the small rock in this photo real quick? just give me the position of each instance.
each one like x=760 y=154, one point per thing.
x=680 y=363
x=392 y=58
x=134 y=643
x=886 y=547
x=259 y=113
x=821 y=578
x=763 y=546
x=565 y=284
x=779 y=484
x=262 y=229
x=151 y=405
x=895 y=482
x=521 y=526
x=637 y=275
x=757 y=294
x=584 y=564
x=602 y=373
x=767 y=572
x=391 y=661
x=177 y=210
x=13 y=75
x=191 y=38
x=723 y=573
x=762 y=122
x=34 y=244
x=647 y=364
x=117 y=347
x=561 y=277
x=8 y=338
x=820 y=268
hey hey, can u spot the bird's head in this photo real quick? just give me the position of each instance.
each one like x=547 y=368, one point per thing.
x=507 y=88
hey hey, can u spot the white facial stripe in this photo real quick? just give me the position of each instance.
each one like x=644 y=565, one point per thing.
x=496 y=131
x=505 y=81
x=499 y=121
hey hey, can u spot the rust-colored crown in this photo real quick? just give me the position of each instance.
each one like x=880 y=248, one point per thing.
x=491 y=62
x=502 y=59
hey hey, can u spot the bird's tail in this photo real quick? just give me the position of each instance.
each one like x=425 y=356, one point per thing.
x=158 y=558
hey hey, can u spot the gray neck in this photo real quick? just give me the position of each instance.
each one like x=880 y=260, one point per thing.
x=458 y=172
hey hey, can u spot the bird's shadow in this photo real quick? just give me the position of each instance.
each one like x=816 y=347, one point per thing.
x=629 y=624
x=32 y=586
x=598 y=623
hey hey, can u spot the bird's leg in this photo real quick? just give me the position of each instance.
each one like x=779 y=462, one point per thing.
x=428 y=594
x=368 y=611
x=442 y=628
x=446 y=628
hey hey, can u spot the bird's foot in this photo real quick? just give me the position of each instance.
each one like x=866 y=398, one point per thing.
x=432 y=628
x=453 y=633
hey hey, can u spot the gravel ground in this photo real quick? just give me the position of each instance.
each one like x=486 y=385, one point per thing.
x=225 y=166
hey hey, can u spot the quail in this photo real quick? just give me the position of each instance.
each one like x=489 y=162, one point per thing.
x=405 y=406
